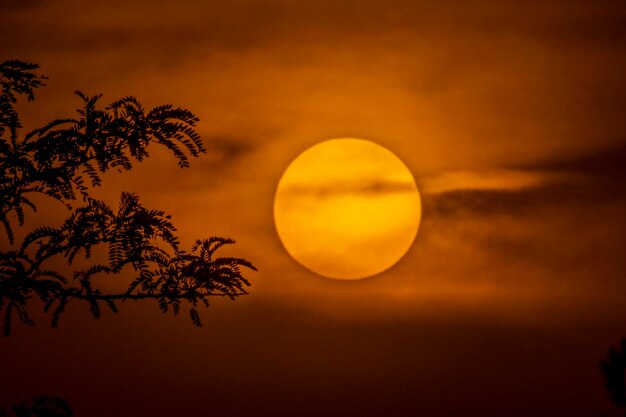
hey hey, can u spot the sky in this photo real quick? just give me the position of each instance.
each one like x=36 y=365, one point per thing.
x=510 y=116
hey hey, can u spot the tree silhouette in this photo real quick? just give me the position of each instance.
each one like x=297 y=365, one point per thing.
x=64 y=160
x=613 y=369
x=40 y=407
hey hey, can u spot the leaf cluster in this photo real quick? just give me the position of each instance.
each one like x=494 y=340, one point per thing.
x=16 y=78
x=65 y=157
x=40 y=407
x=63 y=161
x=613 y=369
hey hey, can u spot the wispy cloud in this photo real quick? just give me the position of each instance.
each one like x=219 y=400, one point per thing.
x=366 y=188
x=491 y=180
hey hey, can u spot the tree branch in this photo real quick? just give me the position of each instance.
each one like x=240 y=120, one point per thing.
x=64 y=160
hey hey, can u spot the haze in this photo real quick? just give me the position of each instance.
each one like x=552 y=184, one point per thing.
x=509 y=114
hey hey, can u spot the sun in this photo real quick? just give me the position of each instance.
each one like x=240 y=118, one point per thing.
x=347 y=208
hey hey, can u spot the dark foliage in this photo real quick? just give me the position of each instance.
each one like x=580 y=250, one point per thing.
x=64 y=160
x=613 y=369
x=40 y=407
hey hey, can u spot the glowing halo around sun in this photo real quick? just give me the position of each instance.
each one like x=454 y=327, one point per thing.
x=347 y=208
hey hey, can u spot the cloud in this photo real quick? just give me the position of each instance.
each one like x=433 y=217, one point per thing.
x=492 y=179
x=365 y=188
x=601 y=163
x=559 y=180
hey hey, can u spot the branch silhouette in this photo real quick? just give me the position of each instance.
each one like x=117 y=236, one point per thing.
x=40 y=407
x=63 y=161
x=613 y=369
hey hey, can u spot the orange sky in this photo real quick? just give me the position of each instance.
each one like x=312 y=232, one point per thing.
x=509 y=114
